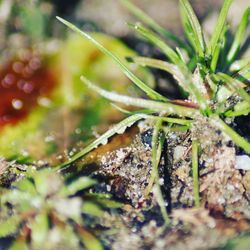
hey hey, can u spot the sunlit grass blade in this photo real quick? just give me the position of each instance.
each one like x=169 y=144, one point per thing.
x=220 y=45
x=144 y=87
x=236 y=138
x=188 y=30
x=89 y=241
x=149 y=116
x=194 y=31
x=181 y=74
x=157 y=41
x=128 y=112
x=142 y=16
x=219 y=27
x=234 y=84
x=239 y=65
x=241 y=108
x=157 y=144
x=244 y=73
x=239 y=37
x=168 y=107
x=195 y=172
x=119 y=128
x=79 y=184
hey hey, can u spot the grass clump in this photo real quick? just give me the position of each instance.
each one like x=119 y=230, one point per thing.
x=43 y=209
x=212 y=73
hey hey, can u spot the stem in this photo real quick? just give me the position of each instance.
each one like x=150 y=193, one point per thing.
x=238 y=140
x=167 y=107
x=156 y=156
x=195 y=172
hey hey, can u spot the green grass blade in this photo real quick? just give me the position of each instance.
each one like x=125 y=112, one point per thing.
x=181 y=74
x=219 y=27
x=89 y=240
x=244 y=72
x=240 y=34
x=188 y=29
x=150 y=92
x=195 y=173
x=157 y=145
x=168 y=107
x=236 y=138
x=220 y=45
x=237 y=112
x=239 y=65
x=128 y=112
x=194 y=28
x=235 y=85
x=119 y=128
x=142 y=16
x=149 y=116
x=10 y=225
x=157 y=41
x=77 y=185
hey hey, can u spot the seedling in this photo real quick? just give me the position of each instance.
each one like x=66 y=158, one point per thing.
x=211 y=74
x=42 y=205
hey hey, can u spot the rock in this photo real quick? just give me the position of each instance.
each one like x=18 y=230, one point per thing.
x=242 y=162
x=246 y=182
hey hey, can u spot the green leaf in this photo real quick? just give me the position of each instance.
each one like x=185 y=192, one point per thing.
x=10 y=226
x=236 y=138
x=240 y=64
x=91 y=208
x=193 y=28
x=168 y=107
x=219 y=27
x=46 y=182
x=142 y=16
x=33 y=21
x=150 y=92
x=241 y=242
x=39 y=229
x=195 y=173
x=117 y=129
x=109 y=203
x=235 y=85
x=241 y=108
x=77 y=185
x=244 y=72
x=26 y=185
x=239 y=36
x=181 y=74
x=157 y=145
x=220 y=45
x=19 y=244
x=157 y=41
x=89 y=240
x=16 y=197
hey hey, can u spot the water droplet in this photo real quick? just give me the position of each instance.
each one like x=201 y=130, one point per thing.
x=18 y=67
x=44 y=101
x=27 y=71
x=28 y=87
x=17 y=104
x=161 y=181
x=49 y=138
x=8 y=80
x=35 y=63
x=78 y=131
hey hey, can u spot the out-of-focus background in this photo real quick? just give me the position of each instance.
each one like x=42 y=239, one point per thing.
x=41 y=97
x=37 y=17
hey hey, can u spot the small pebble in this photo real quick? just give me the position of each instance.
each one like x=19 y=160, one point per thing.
x=242 y=162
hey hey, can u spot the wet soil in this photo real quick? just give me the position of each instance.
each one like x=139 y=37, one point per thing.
x=125 y=172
